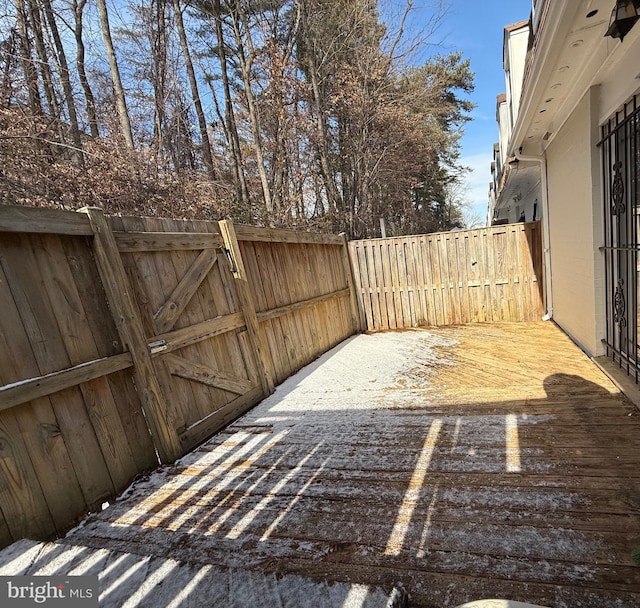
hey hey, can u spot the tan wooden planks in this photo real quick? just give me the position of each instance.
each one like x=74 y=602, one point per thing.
x=277 y=295
x=38 y=220
x=356 y=310
x=311 y=263
x=491 y=274
x=563 y=528
x=273 y=235
x=219 y=288
x=203 y=429
x=257 y=339
x=380 y=296
x=289 y=308
x=89 y=294
x=24 y=508
x=279 y=292
x=100 y=403
x=182 y=273
x=391 y=293
x=165 y=241
x=374 y=281
x=22 y=500
x=118 y=292
x=108 y=339
x=162 y=273
x=303 y=317
x=41 y=386
x=152 y=279
x=34 y=345
x=365 y=275
x=300 y=292
x=174 y=306
x=252 y=266
x=206 y=375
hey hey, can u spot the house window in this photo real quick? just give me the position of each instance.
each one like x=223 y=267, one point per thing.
x=620 y=146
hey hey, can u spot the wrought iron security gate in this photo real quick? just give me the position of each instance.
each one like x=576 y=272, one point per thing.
x=620 y=146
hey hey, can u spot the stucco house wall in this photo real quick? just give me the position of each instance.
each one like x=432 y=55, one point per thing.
x=575 y=225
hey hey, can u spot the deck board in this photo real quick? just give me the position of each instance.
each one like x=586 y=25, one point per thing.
x=460 y=463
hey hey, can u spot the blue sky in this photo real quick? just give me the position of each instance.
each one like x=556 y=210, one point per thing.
x=475 y=27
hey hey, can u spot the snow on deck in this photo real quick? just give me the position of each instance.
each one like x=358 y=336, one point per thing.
x=457 y=463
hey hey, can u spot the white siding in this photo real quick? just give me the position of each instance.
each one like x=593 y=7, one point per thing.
x=518 y=41
x=504 y=131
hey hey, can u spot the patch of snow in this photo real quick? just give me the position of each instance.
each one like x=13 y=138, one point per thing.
x=351 y=375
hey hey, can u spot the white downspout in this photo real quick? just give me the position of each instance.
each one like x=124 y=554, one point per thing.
x=548 y=291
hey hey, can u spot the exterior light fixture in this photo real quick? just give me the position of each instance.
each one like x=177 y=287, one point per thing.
x=623 y=18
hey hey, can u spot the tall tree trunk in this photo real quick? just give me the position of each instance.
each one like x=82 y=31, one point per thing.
x=195 y=94
x=318 y=105
x=158 y=38
x=78 y=11
x=77 y=157
x=279 y=65
x=28 y=65
x=230 y=119
x=121 y=102
x=333 y=196
x=246 y=62
x=9 y=50
x=43 y=59
x=298 y=173
x=279 y=163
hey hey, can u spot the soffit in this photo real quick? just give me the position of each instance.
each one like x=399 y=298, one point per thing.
x=571 y=55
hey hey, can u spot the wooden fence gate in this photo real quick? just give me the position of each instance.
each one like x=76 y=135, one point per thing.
x=125 y=339
x=198 y=334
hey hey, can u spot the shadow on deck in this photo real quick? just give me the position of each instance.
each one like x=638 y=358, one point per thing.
x=458 y=463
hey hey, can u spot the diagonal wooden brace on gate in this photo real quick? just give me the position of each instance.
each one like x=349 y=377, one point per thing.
x=118 y=292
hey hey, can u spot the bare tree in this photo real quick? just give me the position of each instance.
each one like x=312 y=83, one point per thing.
x=157 y=31
x=245 y=53
x=26 y=53
x=8 y=49
x=229 y=112
x=92 y=117
x=320 y=120
x=195 y=93
x=118 y=89
x=35 y=19
x=65 y=79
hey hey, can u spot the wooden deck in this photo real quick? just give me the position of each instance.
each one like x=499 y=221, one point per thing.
x=461 y=463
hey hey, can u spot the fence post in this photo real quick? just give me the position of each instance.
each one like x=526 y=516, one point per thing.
x=125 y=315
x=351 y=283
x=256 y=338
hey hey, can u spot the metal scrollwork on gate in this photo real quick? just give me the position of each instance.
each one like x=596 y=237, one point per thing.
x=618 y=206
x=619 y=305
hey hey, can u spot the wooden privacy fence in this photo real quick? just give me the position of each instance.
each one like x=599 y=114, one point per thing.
x=127 y=339
x=447 y=278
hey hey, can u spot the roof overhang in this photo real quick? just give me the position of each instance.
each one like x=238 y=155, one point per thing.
x=570 y=54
